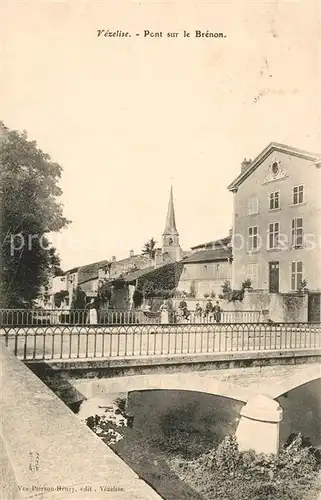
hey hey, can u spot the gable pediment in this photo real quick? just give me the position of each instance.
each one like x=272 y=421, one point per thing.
x=271 y=150
x=276 y=171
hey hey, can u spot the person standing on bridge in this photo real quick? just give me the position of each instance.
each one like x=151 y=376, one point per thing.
x=217 y=312
x=93 y=317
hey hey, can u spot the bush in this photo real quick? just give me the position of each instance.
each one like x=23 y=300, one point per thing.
x=227 y=456
x=225 y=473
x=137 y=298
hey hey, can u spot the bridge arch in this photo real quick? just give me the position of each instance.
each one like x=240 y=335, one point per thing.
x=310 y=374
x=161 y=381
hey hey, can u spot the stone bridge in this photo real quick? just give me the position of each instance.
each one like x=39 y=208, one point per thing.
x=256 y=379
x=238 y=383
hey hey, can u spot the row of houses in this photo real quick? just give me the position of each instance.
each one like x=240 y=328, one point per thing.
x=275 y=241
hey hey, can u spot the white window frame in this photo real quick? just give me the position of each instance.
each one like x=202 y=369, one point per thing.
x=276 y=243
x=273 y=200
x=253 y=205
x=296 y=233
x=298 y=186
x=253 y=238
x=294 y=274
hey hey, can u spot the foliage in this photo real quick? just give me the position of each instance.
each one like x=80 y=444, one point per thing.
x=246 y=284
x=234 y=295
x=228 y=474
x=30 y=210
x=303 y=286
x=104 y=292
x=78 y=299
x=59 y=297
x=161 y=282
x=226 y=290
x=137 y=298
x=150 y=248
x=192 y=289
x=227 y=456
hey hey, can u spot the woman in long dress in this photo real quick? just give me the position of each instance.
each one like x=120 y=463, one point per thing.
x=92 y=313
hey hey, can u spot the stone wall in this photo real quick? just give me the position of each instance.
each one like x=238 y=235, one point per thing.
x=281 y=308
x=44 y=443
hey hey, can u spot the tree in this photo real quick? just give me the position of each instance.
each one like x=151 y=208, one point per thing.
x=78 y=300
x=29 y=211
x=59 y=297
x=137 y=298
x=150 y=248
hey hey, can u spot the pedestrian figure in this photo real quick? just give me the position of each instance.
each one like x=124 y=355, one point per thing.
x=208 y=309
x=217 y=312
x=92 y=312
x=198 y=311
x=164 y=312
x=184 y=312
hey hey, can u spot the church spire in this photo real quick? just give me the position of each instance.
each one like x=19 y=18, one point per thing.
x=170 y=227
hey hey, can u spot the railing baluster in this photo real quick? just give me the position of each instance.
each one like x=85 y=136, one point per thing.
x=95 y=341
x=78 y=342
x=155 y=342
x=102 y=342
x=61 y=343
x=34 y=345
x=15 y=341
x=118 y=342
x=140 y=342
x=70 y=341
x=44 y=345
x=25 y=345
x=87 y=339
x=133 y=340
x=53 y=344
x=126 y=342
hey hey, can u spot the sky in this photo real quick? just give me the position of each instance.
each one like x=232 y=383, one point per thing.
x=128 y=117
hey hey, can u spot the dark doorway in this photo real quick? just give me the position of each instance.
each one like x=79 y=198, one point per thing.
x=314 y=302
x=274 y=277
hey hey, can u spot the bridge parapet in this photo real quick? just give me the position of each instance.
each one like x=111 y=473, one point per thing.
x=47 y=453
x=75 y=342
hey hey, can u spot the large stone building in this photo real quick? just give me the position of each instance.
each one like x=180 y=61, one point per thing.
x=277 y=221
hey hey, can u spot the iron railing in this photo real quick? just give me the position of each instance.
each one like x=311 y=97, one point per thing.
x=245 y=316
x=34 y=317
x=75 y=342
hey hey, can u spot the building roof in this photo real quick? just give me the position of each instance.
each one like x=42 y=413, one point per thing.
x=215 y=243
x=90 y=271
x=72 y=271
x=211 y=255
x=137 y=274
x=273 y=146
x=170 y=227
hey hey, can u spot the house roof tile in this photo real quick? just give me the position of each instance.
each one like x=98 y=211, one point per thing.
x=211 y=255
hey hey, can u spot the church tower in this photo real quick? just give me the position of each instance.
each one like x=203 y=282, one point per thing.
x=171 y=249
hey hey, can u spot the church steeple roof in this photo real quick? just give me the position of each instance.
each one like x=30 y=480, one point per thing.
x=170 y=227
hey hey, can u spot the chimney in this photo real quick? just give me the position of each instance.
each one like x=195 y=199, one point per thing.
x=131 y=253
x=113 y=259
x=245 y=164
